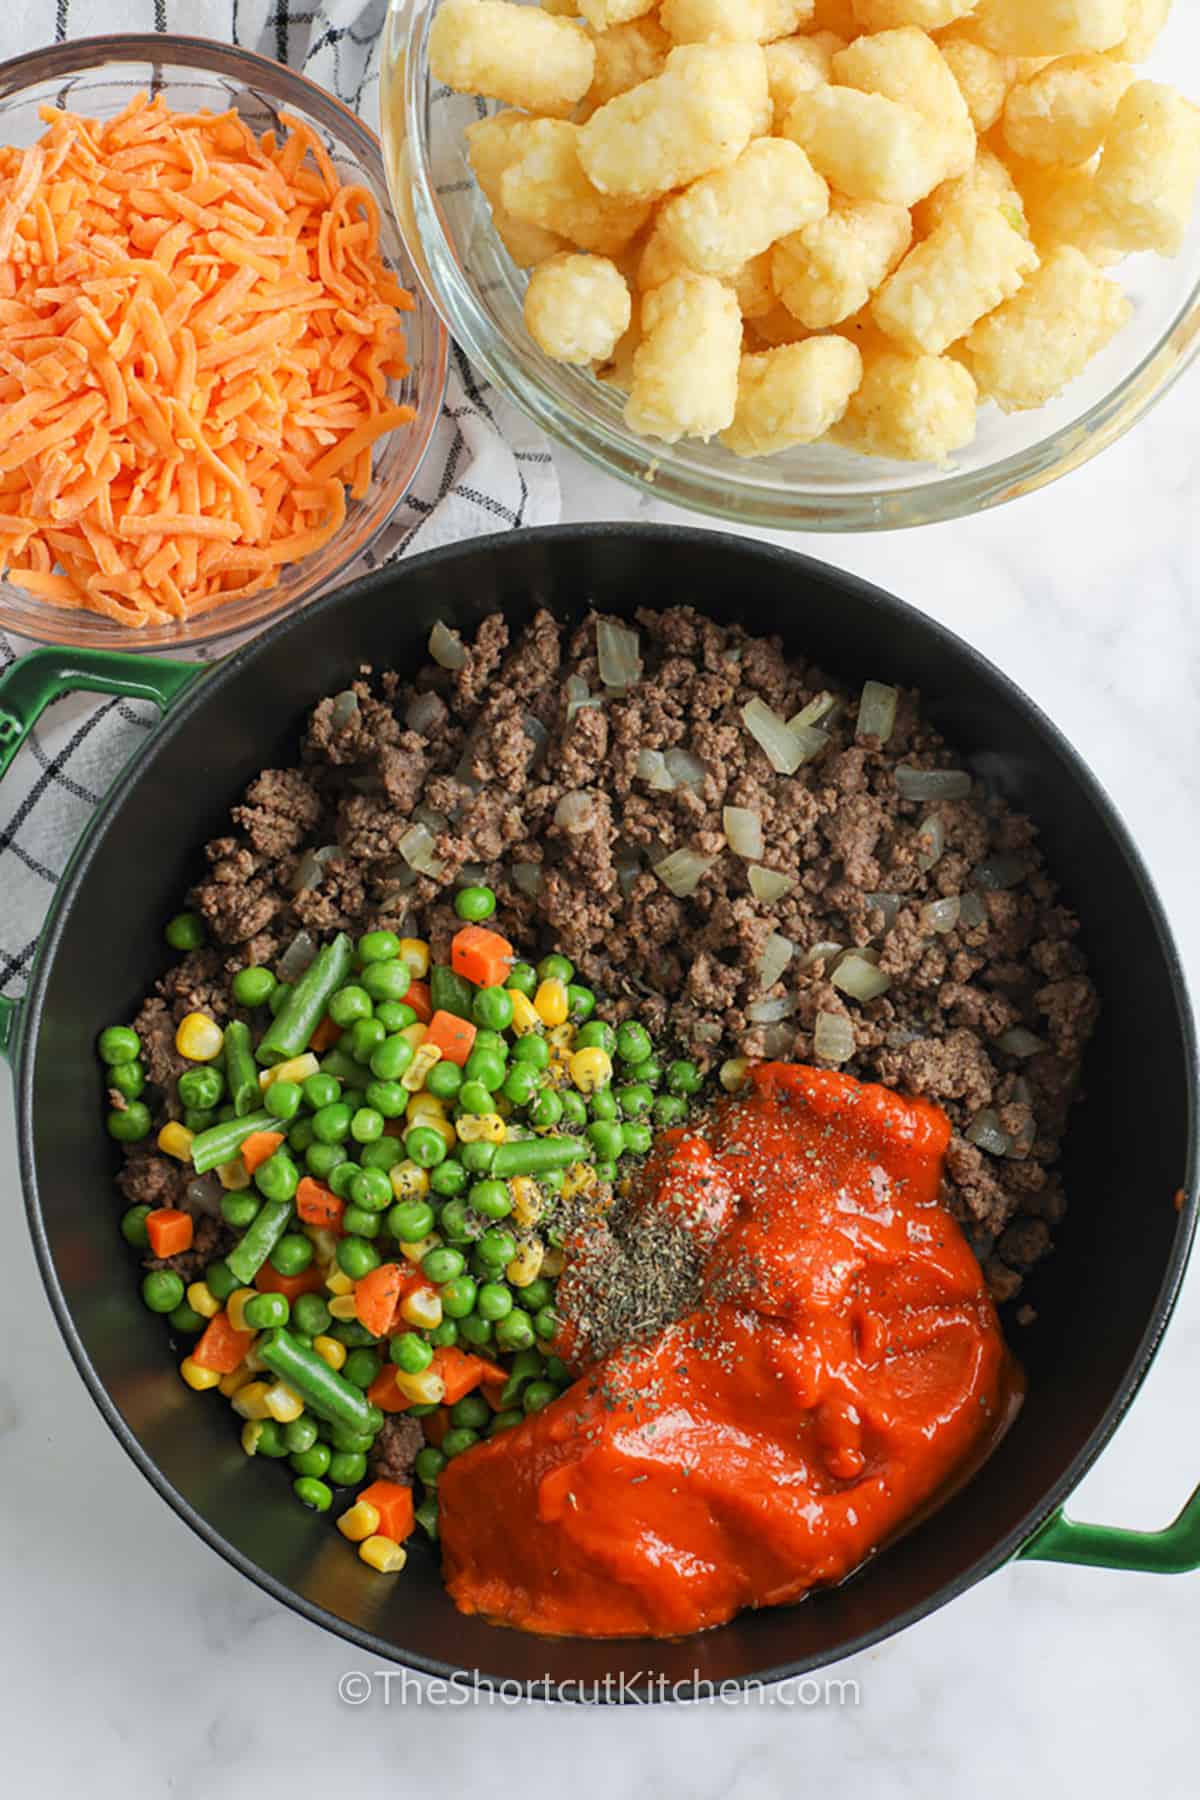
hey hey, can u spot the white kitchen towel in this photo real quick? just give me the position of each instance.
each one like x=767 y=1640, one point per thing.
x=487 y=467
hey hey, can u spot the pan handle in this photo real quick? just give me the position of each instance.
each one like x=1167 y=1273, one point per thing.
x=29 y=685
x=1173 y=1551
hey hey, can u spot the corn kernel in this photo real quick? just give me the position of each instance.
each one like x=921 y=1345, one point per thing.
x=252 y=1430
x=591 y=1069
x=201 y=1299
x=250 y=1401
x=580 y=1178
x=283 y=1402
x=359 y=1521
x=425 y=1389
x=338 y=1282
x=550 y=1003
x=383 y=1553
x=524 y=1015
x=422 y=1309
x=235 y=1307
x=330 y=1350
x=420 y=1248
x=526 y=1265
x=237 y=1378
x=732 y=1074
x=298 y=1068
x=415 y=952
x=526 y=1199
x=414 y=1076
x=424 y=1106
x=561 y=1038
x=481 y=1128
x=414 y=1035
x=197 y=1376
x=344 y=1307
x=552 y=1264
x=233 y=1176
x=176 y=1140
x=409 y=1180
x=199 y=1038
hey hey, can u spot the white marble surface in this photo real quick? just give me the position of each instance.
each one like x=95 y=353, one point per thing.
x=134 y=1661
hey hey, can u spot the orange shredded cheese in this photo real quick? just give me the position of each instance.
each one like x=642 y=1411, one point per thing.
x=197 y=336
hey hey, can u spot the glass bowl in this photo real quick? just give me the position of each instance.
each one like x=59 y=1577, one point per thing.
x=97 y=77
x=479 y=292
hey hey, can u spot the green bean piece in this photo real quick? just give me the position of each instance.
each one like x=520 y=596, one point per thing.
x=241 y=1074
x=260 y=1238
x=534 y=1156
x=321 y=1388
x=306 y=1005
x=221 y=1143
x=450 y=993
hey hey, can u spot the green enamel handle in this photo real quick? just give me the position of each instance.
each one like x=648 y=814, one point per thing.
x=1173 y=1551
x=28 y=686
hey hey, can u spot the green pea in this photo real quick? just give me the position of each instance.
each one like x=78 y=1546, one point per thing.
x=497 y=1248
x=476 y=1331
x=532 y=1049
x=425 y=1146
x=387 y=1098
x=443 y=1264
x=292 y=1254
x=638 y=1137
x=651 y=1070
x=393 y=1056
x=504 y=1421
x=356 y=1257
x=220 y=1280
x=349 y=1004
x=278 y=998
x=581 y=1003
x=342 y=1438
x=455 y=1221
x=283 y=1099
x=266 y=1311
x=603 y=1104
x=456 y=1442
x=312 y=1462
x=484 y=1067
x=474 y=1097
x=278 y=1177
x=545 y=1322
x=669 y=1109
x=556 y=968
x=253 y=986
x=269 y=1440
x=378 y=946
x=494 y=1301
x=514 y=1331
x=321 y=1090
x=311 y=1493
x=129 y=1079
x=352 y=1334
x=574 y=1107
x=410 y=1220
x=492 y=1199
x=310 y=1314
x=342 y=1178
x=371 y=1190
x=300 y=1434
x=552 y=1180
x=472 y=1411
x=520 y=1084
x=322 y=1159
x=538 y=1395
x=606 y=1138
x=444 y=1080
x=201 y=1087
x=185 y=1318
x=458 y=1297
x=133 y=1227
x=383 y=1155
x=633 y=1042
x=331 y=1124
x=239 y=1209
x=410 y=1352
x=185 y=931
x=226 y=1112
x=547 y=1109
x=522 y=979
x=300 y=1136
x=534 y=1294
x=478 y=1157
x=474 y=904
x=448 y=1177
x=131 y=1125
x=366 y=1127
x=361 y=1367
x=596 y=1035
x=162 y=1290
x=606 y=1170
x=429 y=1464
x=199 y=1118
x=361 y=1221
x=635 y=1099
x=426 y=1515
x=387 y=980
x=684 y=1078
x=492 y=1007
x=445 y=1335
x=366 y=1035
x=556 y=1370
x=394 y=1015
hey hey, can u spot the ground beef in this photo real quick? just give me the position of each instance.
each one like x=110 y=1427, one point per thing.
x=395 y=1449
x=503 y=739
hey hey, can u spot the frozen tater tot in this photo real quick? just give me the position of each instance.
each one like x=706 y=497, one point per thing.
x=698 y=115
x=986 y=183
x=775 y=326
x=838 y=16
x=601 y=14
x=1049 y=27
x=1143 y=22
x=492 y=144
x=929 y=15
x=1146 y=182
x=752 y=285
x=517 y=54
x=733 y=21
x=625 y=56
x=909 y=408
x=1061 y=207
x=984 y=77
x=795 y=64
x=866 y=145
x=829 y=270
x=966 y=266
x=725 y=218
x=577 y=308
x=1062 y=114
x=685 y=369
x=792 y=395
x=660 y=259
x=545 y=185
x=1027 y=351
x=906 y=66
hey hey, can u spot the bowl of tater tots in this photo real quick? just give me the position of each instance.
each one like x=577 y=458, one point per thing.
x=822 y=264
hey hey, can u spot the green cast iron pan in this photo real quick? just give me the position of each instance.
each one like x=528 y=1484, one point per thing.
x=1103 y=1299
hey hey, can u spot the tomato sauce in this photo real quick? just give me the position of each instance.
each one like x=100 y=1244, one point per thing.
x=844 y=1365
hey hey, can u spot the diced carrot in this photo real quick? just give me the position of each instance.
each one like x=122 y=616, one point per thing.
x=169 y=1230
x=451 y=1035
x=394 y=1504
x=461 y=1372
x=318 y=1205
x=492 y=1392
x=481 y=956
x=384 y=1393
x=375 y=1297
x=270 y=1281
x=221 y=1347
x=325 y=1036
x=436 y=1426
x=258 y=1146
x=418 y=998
